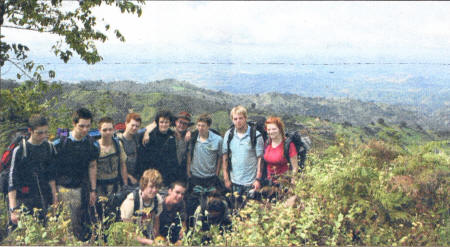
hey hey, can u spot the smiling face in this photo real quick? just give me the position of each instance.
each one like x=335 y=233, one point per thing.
x=132 y=126
x=81 y=128
x=176 y=194
x=149 y=192
x=273 y=131
x=163 y=124
x=181 y=124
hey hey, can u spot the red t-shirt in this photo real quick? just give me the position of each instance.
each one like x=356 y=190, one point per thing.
x=275 y=160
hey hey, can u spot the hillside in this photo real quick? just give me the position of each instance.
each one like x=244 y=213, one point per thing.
x=177 y=95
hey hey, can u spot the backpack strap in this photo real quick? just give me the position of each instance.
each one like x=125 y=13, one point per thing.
x=194 y=137
x=230 y=137
x=287 y=144
x=117 y=146
x=137 y=200
x=23 y=143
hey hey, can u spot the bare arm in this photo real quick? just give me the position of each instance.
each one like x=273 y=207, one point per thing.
x=52 y=184
x=156 y=227
x=93 y=181
x=226 y=176
x=218 y=166
x=257 y=184
x=188 y=164
x=148 y=129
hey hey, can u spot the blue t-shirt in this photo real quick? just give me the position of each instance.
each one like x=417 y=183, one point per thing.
x=244 y=158
x=204 y=162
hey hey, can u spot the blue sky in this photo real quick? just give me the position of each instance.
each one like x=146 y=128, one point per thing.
x=269 y=32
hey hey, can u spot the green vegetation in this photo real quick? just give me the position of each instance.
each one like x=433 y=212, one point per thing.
x=376 y=184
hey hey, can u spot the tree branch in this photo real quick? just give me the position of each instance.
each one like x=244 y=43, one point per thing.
x=21 y=69
x=24 y=28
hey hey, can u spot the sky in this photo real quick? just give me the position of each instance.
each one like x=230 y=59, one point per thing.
x=240 y=31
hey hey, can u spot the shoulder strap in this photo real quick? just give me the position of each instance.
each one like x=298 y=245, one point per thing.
x=136 y=200
x=117 y=146
x=24 y=147
x=194 y=137
x=287 y=143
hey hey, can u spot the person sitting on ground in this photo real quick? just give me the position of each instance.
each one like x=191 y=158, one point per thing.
x=29 y=181
x=149 y=200
x=129 y=139
x=277 y=164
x=173 y=217
x=160 y=152
x=111 y=166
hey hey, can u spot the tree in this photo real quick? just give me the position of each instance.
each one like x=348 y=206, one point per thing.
x=77 y=28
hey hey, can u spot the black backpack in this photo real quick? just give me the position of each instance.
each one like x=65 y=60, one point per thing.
x=253 y=138
x=5 y=164
x=194 y=136
x=302 y=144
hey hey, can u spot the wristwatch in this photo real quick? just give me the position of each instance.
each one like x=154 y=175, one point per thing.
x=259 y=179
x=94 y=190
x=14 y=208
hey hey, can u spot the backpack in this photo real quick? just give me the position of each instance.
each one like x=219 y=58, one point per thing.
x=302 y=144
x=116 y=142
x=5 y=163
x=253 y=138
x=115 y=200
x=194 y=137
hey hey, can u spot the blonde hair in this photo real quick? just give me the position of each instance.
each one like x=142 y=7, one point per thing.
x=150 y=176
x=238 y=110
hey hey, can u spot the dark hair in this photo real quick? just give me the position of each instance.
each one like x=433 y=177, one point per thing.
x=36 y=120
x=81 y=113
x=175 y=183
x=205 y=118
x=134 y=116
x=105 y=120
x=164 y=114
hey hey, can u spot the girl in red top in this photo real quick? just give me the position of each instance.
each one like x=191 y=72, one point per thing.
x=274 y=150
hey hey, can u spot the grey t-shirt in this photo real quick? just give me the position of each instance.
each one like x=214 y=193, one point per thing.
x=130 y=147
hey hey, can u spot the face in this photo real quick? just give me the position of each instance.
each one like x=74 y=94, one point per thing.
x=150 y=191
x=176 y=194
x=132 y=126
x=107 y=130
x=202 y=128
x=181 y=124
x=164 y=124
x=40 y=134
x=239 y=121
x=81 y=128
x=273 y=131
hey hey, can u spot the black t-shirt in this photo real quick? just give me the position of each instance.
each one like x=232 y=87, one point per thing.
x=72 y=161
x=26 y=171
x=169 y=219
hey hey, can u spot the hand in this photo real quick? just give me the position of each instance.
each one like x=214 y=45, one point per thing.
x=144 y=240
x=187 y=137
x=132 y=179
x=146 y=138
x=14 y=217
x=256 y=185
x=92 y=198
x=227 y=184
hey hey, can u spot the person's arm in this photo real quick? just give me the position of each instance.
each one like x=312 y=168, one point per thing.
x=145 y=241
x=148 y=129
x=219 y=155
x=93 y=182
x=226 y=176
x=188 y=164
x=156 y=227
x=13 y=205
x=52 y=184
x=123 y=164
x=259 y=149
x=12 y=184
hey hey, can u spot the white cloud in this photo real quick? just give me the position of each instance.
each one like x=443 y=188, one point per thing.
x=274 y=29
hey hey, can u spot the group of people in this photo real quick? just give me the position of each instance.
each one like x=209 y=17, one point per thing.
x=175 y=171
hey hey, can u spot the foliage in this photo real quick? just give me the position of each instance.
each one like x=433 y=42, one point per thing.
x=77 y=27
